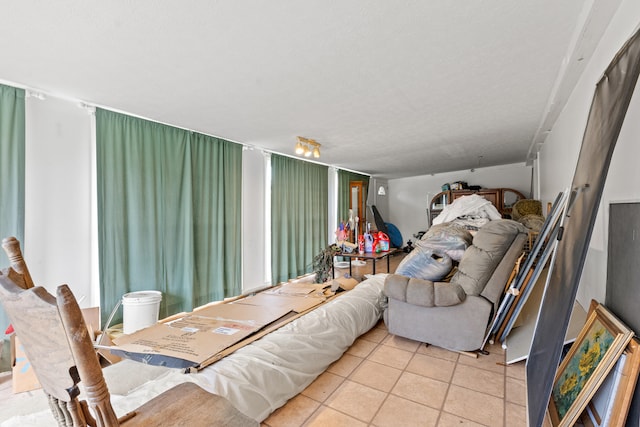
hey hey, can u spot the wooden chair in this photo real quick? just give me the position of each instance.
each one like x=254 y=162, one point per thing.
x=57 y=344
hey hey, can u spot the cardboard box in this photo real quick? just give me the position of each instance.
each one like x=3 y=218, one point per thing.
x=92 y=319
x=23 y=376
x=106 y=357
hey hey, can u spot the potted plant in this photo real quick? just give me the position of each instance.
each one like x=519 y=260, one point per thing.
x=323 y=263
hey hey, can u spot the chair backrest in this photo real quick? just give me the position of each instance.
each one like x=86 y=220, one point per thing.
x=34 y=315
x=57 y=343
x=12 y=247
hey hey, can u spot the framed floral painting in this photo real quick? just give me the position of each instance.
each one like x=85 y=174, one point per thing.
x=611 y=402
x=596 y=350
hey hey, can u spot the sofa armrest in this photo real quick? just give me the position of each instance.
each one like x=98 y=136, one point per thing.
x=421 y=292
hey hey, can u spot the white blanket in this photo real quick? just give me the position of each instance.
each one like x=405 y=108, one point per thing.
x=258 y=378
x=469 y=206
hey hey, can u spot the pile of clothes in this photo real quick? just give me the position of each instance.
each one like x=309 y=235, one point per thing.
x=472 y=211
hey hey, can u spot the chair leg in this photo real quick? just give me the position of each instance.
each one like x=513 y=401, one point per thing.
x=57 y=411
x=90 y=421
x=75 y=410
x=70 y=414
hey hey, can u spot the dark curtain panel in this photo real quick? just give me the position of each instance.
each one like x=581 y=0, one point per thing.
x=299 y=212
x=168 y=213
x=608 y=109
x=12 y=167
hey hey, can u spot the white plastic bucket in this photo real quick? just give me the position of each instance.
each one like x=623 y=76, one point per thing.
x=140 y=309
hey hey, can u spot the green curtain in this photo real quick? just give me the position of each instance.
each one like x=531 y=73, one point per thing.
x=299 y=212
x=344 y=178
x=168 y=213
x=12 y=166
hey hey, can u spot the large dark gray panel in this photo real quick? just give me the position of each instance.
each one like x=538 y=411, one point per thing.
x=608 y=109
x=623 y=276
x=623 y=266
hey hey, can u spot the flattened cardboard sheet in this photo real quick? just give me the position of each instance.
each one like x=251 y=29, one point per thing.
x=191 y=339
x=197 y=336
x=234 y=311
x=299 y=288
x=294 y=303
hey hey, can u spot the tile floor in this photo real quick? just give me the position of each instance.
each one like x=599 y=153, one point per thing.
x=385 y=380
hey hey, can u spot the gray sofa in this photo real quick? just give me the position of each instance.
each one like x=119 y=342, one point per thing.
x=455 y=314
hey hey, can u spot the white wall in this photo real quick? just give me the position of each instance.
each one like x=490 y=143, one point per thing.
x=58 y=194
x=381 y=202
x=253 y=219
x=560 y=151
x=409 y=197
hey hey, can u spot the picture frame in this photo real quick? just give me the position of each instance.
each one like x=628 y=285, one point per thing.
x=589 y=360
x=610 y=405
x=611 y=402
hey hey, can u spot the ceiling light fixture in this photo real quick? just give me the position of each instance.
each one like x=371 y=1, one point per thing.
x=307 y=147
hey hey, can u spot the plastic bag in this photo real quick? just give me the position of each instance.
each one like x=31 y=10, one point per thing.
x=448 y=238
x=423 y=263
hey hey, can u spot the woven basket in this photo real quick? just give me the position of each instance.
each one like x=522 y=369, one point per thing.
x=526 y=207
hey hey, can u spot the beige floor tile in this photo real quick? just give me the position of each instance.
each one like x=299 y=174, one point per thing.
x=479 y=380
x=294 y=413
x=442 y=353
x=401 y=343
x=450 y=420
x=391 y=356
x=397 y=411
x=327 y=417
x=375 y=375
x=417 y=388
x=517 y=370
x=376 y=335
x=381 y=325
x=345 y=365
x=431 y=367
x=475 y=406
x=516 y=391
x=357 y=400
x=496 y=348
x=323 y=386
x=515 y=415
x=494 y=361
x=361 y=348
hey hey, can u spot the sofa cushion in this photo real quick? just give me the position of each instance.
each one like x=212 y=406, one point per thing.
x=424 y=293
x=490 y=244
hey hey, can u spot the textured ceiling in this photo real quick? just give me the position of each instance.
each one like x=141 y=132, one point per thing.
x=392 y=89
